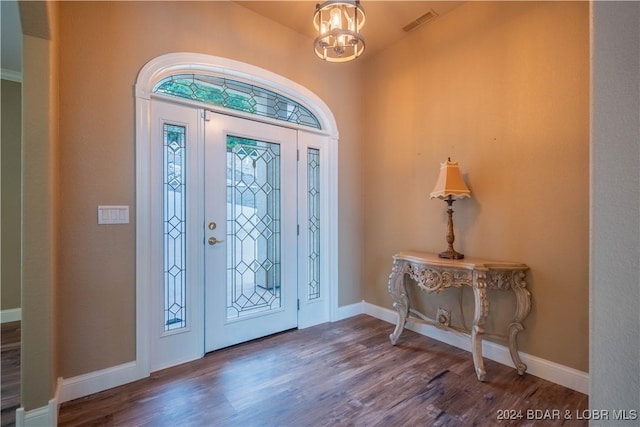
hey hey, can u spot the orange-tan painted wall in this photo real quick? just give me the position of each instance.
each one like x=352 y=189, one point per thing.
x=502 y=88
x=101 y=53
x=11 y=92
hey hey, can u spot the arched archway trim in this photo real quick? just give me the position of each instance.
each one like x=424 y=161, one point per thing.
x=194 y=63
x=184 y=62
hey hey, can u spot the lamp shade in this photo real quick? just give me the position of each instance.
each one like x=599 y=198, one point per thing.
x=450 y=182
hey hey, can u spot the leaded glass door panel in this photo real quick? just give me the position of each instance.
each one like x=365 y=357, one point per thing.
x=251 y=228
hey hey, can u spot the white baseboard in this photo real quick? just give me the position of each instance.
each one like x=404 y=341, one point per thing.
x=94 y=382
x=346 y=311
x=550 y=371
x=45 y=416
x=11 y=315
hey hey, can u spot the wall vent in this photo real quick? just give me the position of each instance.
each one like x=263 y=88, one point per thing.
x=420 y=20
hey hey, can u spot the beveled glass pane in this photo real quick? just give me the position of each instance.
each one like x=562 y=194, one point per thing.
x=313 y=221
x=174 y=220
x=238 y=96
x=253 y=227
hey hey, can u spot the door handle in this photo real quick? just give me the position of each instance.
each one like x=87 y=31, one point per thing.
x=213 y=241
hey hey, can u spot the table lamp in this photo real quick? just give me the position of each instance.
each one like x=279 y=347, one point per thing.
x=450 y=187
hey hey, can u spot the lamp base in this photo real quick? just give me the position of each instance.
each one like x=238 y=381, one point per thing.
x=451 y=254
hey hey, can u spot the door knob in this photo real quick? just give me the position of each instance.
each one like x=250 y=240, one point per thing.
x=212 y=225
x=213 y=241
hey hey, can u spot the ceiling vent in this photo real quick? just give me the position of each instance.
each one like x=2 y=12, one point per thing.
x=431 y=14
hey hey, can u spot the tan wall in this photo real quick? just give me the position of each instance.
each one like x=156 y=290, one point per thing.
x=39 y=202
x=11 y=189
x=101 y=54
x=39 y=221
x=502 y=88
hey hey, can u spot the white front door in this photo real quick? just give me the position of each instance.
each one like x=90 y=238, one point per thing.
x=250 y=212
x=238 y=231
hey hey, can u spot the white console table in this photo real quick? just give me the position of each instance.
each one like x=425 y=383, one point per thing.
x=433 y=274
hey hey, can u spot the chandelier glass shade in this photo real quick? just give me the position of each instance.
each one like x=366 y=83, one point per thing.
x=338 y=23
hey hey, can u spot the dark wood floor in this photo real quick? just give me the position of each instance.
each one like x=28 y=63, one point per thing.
x=342 y=373
x=10 y=377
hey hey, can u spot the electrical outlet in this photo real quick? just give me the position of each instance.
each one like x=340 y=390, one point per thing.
x=443 y=317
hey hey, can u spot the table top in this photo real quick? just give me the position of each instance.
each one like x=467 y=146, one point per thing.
x=465 y=263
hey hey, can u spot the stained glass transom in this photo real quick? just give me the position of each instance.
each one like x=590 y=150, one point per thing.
x=253 y=227
x=313 y=188
x=236 y=95
x=174 y=193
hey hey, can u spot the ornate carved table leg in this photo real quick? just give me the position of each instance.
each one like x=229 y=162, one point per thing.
x=477 y=330
x=523 y=306
x=399 y=296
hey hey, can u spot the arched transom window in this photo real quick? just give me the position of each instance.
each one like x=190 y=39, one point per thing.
x=236 y=95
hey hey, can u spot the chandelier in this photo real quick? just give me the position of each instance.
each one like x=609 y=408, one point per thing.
x=338 y=23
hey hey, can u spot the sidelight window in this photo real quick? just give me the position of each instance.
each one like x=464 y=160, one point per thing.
x=174 y=220
x=313 y=221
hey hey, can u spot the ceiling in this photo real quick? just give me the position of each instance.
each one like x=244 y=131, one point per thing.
x=383 y=26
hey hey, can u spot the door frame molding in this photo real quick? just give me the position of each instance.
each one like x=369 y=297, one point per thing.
x=185 y=62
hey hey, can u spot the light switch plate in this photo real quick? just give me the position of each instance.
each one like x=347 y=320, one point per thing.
x=111 y=214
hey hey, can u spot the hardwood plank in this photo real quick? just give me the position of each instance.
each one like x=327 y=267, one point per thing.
x=10 y=377
x=342 y=373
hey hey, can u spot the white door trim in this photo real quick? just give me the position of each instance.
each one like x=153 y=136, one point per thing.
x=184 y=62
